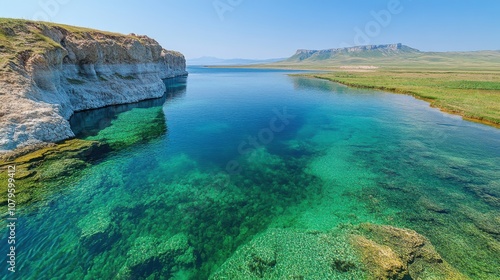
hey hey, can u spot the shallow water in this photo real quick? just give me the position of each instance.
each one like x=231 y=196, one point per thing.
x=229 y=153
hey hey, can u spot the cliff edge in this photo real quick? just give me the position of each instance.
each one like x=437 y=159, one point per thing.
x=48 y=71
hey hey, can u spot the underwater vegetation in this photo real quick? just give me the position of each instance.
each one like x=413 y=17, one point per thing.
x=360 y=185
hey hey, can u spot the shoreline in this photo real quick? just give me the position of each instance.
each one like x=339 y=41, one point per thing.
x=397 y=90
x=9 y=155
x=317 y=71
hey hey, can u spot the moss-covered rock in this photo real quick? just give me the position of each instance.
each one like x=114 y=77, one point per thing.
x=293 y=254
x=132 y=127
x=41 y=171
x=488 y=193
x=380 y=260
x=488 y=222
x=395 y=253
x=151 y=258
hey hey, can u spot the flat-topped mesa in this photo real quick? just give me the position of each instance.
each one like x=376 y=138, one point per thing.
x=49 y=71
x=303 y=54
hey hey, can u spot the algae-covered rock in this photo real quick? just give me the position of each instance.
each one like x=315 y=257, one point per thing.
x=489 y=193
x=488 y=222
x=292 y=254
x=134 y=126
x=418 y=257
x=432 y=206
x=98 y=233
x=380 y=260
x=58 y=168
x=152 y=258
x=41 y=171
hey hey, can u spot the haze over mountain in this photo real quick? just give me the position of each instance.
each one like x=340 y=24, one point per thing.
x=209 y=60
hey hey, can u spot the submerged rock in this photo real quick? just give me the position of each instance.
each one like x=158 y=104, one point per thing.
x=292 y=254
x=488 y=222
x=135 y=126
x=489 y=193
x=395 y=253
x=367 y=251
x=380 y=260
x=40 y=171
x=98 y=233
x=152 y=258
x=432 y=206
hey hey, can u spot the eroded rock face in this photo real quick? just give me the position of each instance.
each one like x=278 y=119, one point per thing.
x=74 y=69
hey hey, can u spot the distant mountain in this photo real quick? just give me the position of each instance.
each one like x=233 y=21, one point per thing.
x=390 y=55
x=358 y=51
x=208 y=60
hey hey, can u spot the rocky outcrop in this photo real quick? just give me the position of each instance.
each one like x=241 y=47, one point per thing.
x=49 y=71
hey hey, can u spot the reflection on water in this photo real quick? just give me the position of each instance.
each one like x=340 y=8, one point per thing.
x=176 y=87
x=304 y=83
x=90 y=122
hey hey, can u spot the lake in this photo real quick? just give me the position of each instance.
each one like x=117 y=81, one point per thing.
x=229 y=154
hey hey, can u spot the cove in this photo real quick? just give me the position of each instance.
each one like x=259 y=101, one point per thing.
x=163 y=204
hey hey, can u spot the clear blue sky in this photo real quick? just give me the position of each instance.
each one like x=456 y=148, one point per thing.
x=276 y=28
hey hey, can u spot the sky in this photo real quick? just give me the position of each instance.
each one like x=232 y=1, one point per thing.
x=259 y=29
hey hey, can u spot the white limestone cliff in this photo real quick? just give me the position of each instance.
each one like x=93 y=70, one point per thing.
x=72 y=69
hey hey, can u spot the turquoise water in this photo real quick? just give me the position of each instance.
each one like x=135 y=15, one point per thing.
x=229 y=154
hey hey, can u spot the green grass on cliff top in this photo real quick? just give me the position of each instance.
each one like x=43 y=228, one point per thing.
x=18 y=36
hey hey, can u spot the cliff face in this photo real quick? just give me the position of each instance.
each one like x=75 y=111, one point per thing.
x=49 y=71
